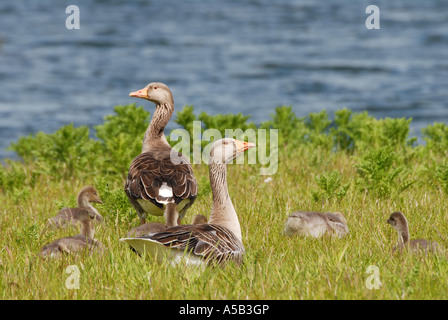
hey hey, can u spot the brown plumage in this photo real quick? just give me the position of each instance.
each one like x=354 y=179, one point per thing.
x=400 y=223
x=209 y=241
x=72 y=216
x=219 y=240
x=80 y=242
x=159 y=176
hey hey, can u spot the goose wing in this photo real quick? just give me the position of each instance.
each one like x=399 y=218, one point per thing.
x=155 y=177
x=66 y=216
x=206 y=241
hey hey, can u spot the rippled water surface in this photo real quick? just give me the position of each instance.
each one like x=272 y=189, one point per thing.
x=221 y=57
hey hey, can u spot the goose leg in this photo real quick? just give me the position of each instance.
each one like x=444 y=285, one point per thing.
x=171 y=215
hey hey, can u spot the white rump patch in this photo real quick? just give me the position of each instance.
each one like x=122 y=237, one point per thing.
x=165 y=191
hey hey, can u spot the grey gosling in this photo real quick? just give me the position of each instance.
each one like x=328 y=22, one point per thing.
x=72 y=216
x=316 y=224
x=400 y=223
x=79 y=242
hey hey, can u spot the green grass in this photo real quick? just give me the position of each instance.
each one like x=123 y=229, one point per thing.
x=275 y=266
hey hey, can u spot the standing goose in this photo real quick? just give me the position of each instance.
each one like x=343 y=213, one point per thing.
x=160 y=180
x=72 y=216
x=79 y=242
x=316 y=224
x=400 y=223
x=218 y=241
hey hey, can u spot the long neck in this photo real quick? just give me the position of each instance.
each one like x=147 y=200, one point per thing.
x=403 y=234
x=87 y=229
x=83 y=202
x=223 y=213
x=155 y=131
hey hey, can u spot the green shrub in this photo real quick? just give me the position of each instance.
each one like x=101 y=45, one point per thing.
x=330 y=187
x=115 y=202
x=380 y=175
x=67 y=152
x=437 y=176
x=121 y=137
x=436 y=137
x=292 y=130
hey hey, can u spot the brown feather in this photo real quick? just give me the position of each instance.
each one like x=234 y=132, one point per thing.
x=212 y=242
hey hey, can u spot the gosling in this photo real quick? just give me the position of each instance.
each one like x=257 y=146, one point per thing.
x=154 y=227
x=72 y=216
x=316 y=224
x=399 y=222
x=74 y=244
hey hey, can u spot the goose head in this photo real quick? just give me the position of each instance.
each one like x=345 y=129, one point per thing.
x=90 y=194
x=225 y=150
x=155 y=92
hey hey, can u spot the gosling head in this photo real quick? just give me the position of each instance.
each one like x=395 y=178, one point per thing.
x=341 y=217
x=225 y=150
x=199 y=219
x=398 y=221
x=90 y=194
x=155 y=92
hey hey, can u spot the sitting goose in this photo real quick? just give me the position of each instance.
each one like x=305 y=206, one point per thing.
x=72 y=216
x=76 y=243
x=315 y=224
x=218 y=241
x=399 y=222
x=160 y=180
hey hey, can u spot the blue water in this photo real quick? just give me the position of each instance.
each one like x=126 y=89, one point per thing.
x=222 y=57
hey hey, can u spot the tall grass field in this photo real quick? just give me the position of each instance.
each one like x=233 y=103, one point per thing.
x=350 y=162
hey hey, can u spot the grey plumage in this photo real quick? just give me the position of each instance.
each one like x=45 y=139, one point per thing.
x=316 y=224
x=399 y=222
x=72 y=216
x=74 y=244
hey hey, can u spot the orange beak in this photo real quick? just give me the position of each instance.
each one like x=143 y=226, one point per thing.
x=142 y=93
x=242 y=146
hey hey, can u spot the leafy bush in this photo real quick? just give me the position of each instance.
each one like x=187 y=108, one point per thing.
x=436 y=137
x=68 y=151
x=330 y=187
x=361 y=132
x=115 y=202
x=380 y=175
x=121 y=137
x=437 y=176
